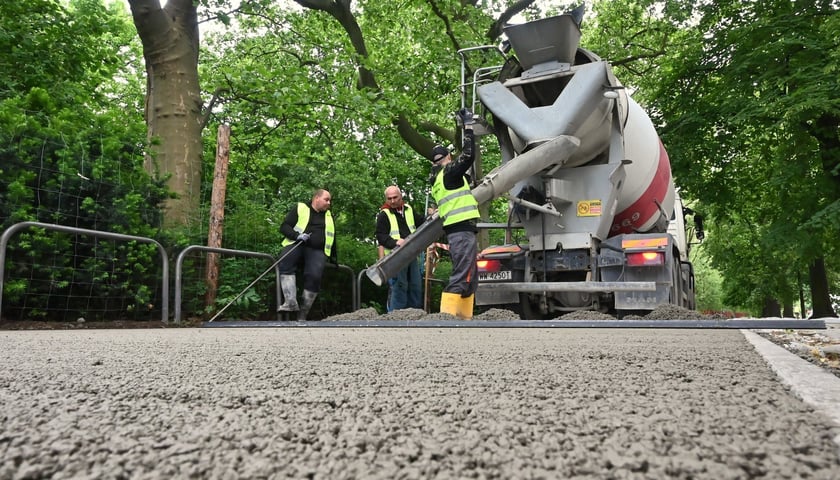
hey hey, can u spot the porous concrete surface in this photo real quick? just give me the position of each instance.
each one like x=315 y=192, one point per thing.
x=401 y=403
x=818 y=387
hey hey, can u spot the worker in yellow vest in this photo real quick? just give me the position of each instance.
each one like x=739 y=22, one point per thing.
x=396 y=221
x=309 y=236
x=459 y=210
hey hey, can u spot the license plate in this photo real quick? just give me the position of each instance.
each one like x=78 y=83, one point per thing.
x=494 y=276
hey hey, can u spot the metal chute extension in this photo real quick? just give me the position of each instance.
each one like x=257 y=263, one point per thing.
x=493 y=185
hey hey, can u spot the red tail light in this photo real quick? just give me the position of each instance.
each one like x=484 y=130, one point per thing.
x=485 y=265
x=644 y=259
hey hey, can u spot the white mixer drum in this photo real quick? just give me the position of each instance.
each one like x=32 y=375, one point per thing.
x=648 y=190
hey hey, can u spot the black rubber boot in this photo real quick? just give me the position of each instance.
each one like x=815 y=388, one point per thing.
x=306 y=303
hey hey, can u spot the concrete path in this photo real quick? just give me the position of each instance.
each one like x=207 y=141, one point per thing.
x=814 y=385
x=403 y=403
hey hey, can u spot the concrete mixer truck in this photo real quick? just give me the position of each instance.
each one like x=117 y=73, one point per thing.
x=595 y=216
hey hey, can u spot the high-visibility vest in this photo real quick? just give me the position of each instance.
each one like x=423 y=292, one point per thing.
x=395 y=227
x=454 y=205
x=303 y=221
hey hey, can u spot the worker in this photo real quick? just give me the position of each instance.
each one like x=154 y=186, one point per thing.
x=396 y=221
x=459 y=210
x=309 y=236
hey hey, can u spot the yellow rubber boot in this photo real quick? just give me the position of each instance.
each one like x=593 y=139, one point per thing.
x=465 y=307
x=450 y=303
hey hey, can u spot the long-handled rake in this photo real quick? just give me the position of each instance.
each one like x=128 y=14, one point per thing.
x=273 y=265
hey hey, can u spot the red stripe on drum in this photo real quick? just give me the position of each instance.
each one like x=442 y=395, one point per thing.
x=643 y=209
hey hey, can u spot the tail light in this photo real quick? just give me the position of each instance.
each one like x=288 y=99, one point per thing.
x=645 y=259
x=486 y=265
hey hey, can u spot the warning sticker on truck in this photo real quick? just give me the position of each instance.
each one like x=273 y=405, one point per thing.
x=589 y=208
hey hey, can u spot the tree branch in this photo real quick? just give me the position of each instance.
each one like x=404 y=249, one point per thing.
x=340 y=10
x=208 y=109
x=495 y=30
x=447 y=24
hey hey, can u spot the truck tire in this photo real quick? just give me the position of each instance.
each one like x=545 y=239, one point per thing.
x=676 y=283
x=527 y=309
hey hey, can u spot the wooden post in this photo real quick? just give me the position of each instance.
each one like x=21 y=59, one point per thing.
x=217 y=212
x=429 y=270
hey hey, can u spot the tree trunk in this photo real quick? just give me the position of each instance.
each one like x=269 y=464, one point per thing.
x=787 y=311
x=820 y=298
x=801 y=296
x=173 y=101
x=217 y=213
x=771 y=308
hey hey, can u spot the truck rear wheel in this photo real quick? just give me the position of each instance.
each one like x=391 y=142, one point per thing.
x=528 y=310
x=676 y=283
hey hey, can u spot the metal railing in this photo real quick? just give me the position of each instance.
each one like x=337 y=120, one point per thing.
x=354 y=287
x=9 y=232
x=239 y=253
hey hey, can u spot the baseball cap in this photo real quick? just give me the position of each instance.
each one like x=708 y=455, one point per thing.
x=439 y=153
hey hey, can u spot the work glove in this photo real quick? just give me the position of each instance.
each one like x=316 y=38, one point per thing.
x=464 y=117
x=303 y=237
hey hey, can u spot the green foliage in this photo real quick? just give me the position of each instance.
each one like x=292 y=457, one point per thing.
x=745 y=96
x=709 y=283
x=71 y=157
x=743 y=93
x=300 y=121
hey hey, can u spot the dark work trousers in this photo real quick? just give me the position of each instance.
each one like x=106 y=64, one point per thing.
x=463 y=248
x=314 y=260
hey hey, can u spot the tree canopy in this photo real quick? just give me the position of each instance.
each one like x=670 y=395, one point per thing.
x=68 y=156
x=750 y=115
x=351 y=95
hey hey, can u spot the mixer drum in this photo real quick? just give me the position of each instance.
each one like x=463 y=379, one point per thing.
x=647 y=198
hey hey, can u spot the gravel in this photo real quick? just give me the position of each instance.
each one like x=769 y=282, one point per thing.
x=401 y=403
x=814 y=346
x=662 y=312
x=410 y=403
